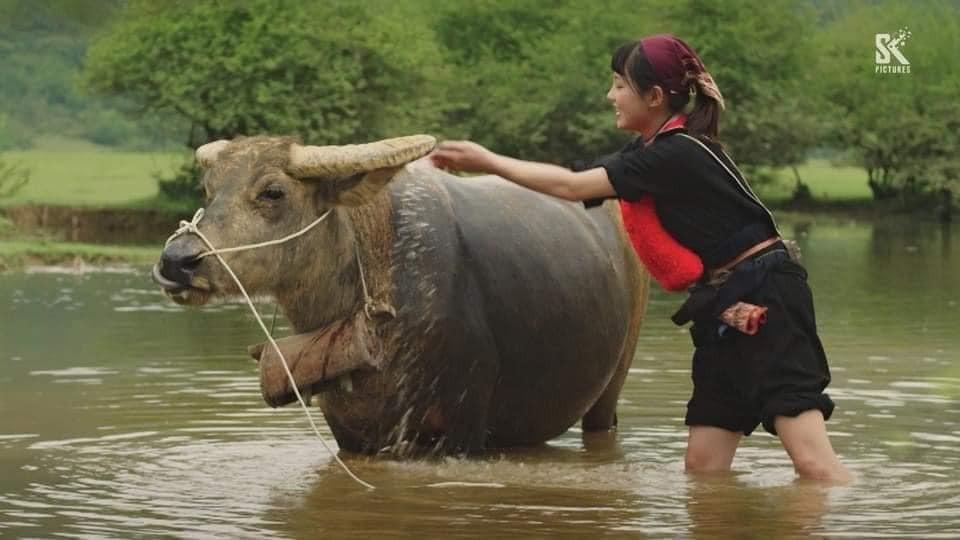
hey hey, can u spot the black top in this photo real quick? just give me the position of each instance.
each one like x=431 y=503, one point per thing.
x=698 y=202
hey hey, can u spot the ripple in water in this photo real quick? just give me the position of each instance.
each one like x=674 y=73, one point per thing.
x=123 y=415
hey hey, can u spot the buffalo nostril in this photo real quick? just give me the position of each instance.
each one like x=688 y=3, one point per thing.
x=175 y=261
x=190 y=263
x=178 y=267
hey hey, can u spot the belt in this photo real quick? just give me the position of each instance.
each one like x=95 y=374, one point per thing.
x=757 y=248
x=717 y=276
x=723 y=287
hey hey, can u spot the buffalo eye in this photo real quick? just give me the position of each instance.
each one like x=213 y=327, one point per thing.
x=272 y=193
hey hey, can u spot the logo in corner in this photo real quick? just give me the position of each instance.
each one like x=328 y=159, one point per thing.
x=888 y=50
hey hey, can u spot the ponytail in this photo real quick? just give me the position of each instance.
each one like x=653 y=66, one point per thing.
x=702 y=111
x=704 y=119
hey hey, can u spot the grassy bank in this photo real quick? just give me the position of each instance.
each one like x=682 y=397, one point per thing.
x=18 y=251
x=829 y=184
x=76 y=173
x=19 y=254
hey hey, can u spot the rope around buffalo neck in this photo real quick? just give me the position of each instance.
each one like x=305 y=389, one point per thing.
x=187 y=227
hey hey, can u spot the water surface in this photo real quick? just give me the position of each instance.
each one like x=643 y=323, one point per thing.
x=124 y=415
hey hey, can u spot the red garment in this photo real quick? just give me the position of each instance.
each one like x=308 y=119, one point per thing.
x=670 y=263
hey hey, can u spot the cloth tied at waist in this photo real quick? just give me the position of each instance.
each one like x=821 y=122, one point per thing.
x=718 y=296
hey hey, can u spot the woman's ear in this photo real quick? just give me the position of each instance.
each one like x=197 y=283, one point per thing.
x=655 y=97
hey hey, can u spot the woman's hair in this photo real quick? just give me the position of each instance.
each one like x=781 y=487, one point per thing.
x=630 y=62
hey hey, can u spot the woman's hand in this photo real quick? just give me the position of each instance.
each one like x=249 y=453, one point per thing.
x=463 y=156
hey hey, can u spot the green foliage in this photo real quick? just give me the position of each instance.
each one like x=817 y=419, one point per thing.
x=801 y=193
x=183 y=187
x=12 y=177
x=7 y=139
x=903 y=128
x=531 y=76
x=6 y=228
x=329 y=73
x=323 y=71
x=759 y=55
x=528 y=78
x=42 y=45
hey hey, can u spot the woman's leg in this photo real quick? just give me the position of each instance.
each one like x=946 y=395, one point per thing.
x=806 y=441
x=710 y=449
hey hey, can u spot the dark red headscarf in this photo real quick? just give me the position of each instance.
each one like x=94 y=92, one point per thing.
x=677 y=66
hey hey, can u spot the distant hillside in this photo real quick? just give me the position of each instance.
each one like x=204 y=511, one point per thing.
x=42 y=46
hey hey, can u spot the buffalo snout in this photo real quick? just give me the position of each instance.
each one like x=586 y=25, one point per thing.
x=179 y=264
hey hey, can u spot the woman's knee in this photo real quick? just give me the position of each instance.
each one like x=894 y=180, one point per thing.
x=705 y=461
x=710 y=449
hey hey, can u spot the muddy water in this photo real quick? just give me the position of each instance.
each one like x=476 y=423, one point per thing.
x=122 y=415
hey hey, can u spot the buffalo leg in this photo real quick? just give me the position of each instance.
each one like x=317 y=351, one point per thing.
x=602 y=415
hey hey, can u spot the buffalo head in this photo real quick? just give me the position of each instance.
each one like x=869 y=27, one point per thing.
x=264 y=188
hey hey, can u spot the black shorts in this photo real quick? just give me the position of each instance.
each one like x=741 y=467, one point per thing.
x=740 y=381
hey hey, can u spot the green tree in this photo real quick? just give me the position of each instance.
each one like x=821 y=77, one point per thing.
x=42 y=45
x=331 y=73
x=6 y=138
x=902 y=128
x=531 y=76
x=759 y=54
x=321 y=71
x=535 y=73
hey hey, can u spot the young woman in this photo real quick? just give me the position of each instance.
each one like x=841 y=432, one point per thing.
x=757 y=359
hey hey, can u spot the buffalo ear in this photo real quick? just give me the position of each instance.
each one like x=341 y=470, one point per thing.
x=356 y=190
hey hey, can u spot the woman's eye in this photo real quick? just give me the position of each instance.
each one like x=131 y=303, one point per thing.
x=271 y=194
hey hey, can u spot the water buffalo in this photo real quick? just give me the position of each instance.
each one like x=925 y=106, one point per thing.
x=497 y=316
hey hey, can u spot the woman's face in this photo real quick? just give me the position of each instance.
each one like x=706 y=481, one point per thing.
x=635 y=112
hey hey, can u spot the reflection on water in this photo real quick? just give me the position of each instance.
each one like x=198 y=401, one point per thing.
x=121 y=413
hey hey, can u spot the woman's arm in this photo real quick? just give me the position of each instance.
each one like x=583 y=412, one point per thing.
x=543 y=177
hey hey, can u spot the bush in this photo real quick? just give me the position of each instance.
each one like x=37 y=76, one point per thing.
x=183 y=188
x=11 y=137
x=262 y=66
x=327 y=72
x=12 y=179
x=903 y=128
x=801 y=193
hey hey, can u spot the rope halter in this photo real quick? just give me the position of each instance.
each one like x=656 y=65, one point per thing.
x=187 y=227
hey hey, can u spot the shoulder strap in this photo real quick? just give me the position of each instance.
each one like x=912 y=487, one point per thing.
x=742 y=185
